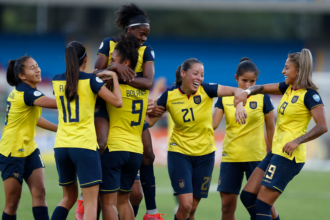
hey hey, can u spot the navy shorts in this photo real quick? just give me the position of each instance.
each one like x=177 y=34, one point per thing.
x=73 y=162
x=231 y=175
x=190 y=174
x=119 y=170
x=264 y=163
x=101 y=109
x=280 y=171
x=20 y=167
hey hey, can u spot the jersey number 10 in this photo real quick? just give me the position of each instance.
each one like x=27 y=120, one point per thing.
x=69 y=110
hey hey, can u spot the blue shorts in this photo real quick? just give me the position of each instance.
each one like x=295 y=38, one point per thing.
x=73 y=162
x=20 y=167
x=280 y=171
x=190 y=174
x=101 y=109
x=231 y=175
x=119 y=170
x=264 y=163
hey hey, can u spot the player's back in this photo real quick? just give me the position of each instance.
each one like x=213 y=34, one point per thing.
x=126 y=123
x=76 y=118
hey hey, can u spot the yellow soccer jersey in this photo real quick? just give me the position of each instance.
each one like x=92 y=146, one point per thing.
x=293 y=117
x=146 y=53
x=126 y=123
x=76 y=119
x=245 y=143
x=20 y=122
x=193 y=134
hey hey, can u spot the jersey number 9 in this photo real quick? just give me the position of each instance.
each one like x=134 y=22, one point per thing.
x=136 y=110
x=69 y=110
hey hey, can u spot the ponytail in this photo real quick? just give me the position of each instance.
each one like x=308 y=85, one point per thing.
x=14 y=68
x=178 y=79
x=74 y=54
x=304 y=62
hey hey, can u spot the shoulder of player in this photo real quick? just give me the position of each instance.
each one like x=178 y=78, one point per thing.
x=59 y=77
x=23 y=87
x=108 y=39
x=312 y=93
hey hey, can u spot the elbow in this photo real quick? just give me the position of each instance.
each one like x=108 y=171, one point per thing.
x=214 y=127
x=325 y=129
x=119 y=104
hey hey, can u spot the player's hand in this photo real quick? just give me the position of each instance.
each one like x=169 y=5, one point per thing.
x=240 y=97
x=106 y=75
x=94 y=71
x=240 y=114
x=126 y=73
x=290 y=147
x=151 y=104
x=156 y=111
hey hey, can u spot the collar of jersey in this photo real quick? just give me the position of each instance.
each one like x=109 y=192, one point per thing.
x=185 y=93
x=23 y=87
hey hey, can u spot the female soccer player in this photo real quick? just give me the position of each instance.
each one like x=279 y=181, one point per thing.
x=76 y=148
x=19 y=155
x=244 y=145
x=300 y=102
x=191 y=146
x=134 y=21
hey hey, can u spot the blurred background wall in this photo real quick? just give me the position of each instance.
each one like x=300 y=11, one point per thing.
x=217 y=32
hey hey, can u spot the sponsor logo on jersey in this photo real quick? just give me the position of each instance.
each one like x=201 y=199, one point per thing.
x=173 y=144
x=181 y=183
x=37 y=93
x=174 y=103
x=224 y=154
x=197 y=99
x=316 y=98
x=21 y=150
x=230 y=104
x=253 y=105
x=294 y=99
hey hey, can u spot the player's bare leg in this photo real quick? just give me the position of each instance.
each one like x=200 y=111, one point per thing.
x=36 y=183
x=13 y=190
x=185 y=206
x=136 y=196
x=108 y=204
x=228 y=205
x=196 y=201
x=90 y=201
x=124 y=207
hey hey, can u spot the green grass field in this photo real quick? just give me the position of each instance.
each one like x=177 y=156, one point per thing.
x=307 y=197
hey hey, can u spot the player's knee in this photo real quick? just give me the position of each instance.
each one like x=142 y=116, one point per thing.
x=11 y=205
x=186 y=207
x=136 y=198
x=70 y=199
x=39 y=193
x=148 y=159
x=228 y=207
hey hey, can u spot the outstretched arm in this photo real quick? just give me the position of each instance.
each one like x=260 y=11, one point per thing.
x=45 y=124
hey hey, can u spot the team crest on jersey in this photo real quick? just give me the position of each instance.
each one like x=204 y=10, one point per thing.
x=294 y=99
x=197 y=99
x=316 y=98
x=253 y=105
x=181 y=183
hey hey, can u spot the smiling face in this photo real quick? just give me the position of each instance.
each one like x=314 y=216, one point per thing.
x=246 y=80
x=290 y=72
x=193 y=77
x=140 y=32
x=31 y=72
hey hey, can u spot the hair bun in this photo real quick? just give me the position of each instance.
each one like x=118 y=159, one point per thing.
x=245 y=59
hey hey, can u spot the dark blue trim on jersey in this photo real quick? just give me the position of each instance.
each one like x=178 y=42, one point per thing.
x=106 y=46
x=162 y=100
x=268 y=105
x=312 y=99
x=211 y=89
x=147 y=55
x=219 y=104
x=283 y=87
x=29 y=93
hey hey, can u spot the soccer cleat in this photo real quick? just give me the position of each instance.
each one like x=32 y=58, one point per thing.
x=153 y=217
x=79 y=215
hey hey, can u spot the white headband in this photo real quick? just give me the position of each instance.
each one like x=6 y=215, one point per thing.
x=137 y=24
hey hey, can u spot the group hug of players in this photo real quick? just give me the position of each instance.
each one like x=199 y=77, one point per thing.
x=103 y=137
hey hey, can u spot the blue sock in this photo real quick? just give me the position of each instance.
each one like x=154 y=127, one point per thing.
x=149 y=187
x=249 y=201
x=60 y=213
x=136 y=210
x=40 y=213
x=278 y=218
x=263 y=210
x=8 y=217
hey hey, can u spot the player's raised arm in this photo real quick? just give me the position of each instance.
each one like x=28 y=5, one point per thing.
x=115 y=97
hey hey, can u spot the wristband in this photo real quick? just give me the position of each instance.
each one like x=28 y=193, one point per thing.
x=248 y=91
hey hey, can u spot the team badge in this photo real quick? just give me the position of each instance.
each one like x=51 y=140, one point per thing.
x=101 y=45
x=294 y=99
x=316 y=97
x=253 y=105
x=153 y=54
x=16 y=175
x=197 y=99
x=37 y=93
x=99 y=80
x=181 y=183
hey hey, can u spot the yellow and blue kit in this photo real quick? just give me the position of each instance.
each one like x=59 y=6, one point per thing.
x=19 y=155
x=293 y=117
x=244 y=146
x=76 y=148
x=191 y=146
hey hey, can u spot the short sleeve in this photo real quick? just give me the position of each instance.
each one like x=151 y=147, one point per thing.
x=96 y=83
x=219 y=104
x=31 y=95
x=211 y=89
x=145 y=126
x=312 y=99
x=283 y=87
x=104 y=47
x=162 y=100
x=268 y=105
x=149 y=55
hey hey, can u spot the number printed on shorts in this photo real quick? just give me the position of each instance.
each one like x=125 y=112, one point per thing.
x=271 y=169
x=207 y=180
x=136 y=110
